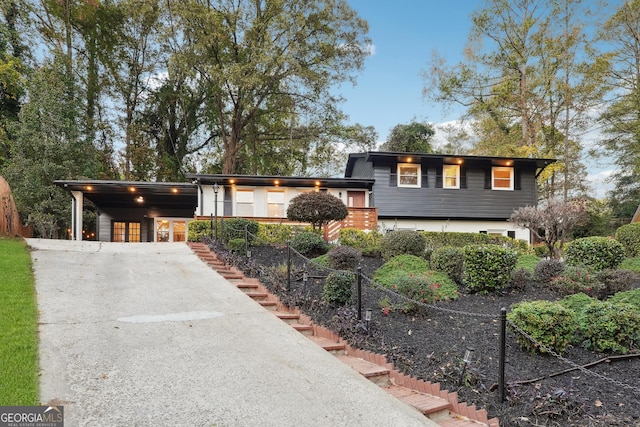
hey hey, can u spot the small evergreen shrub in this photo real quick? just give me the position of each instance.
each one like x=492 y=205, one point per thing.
x=237 y=246
x=274 y=234
x=596 y=253
x=614 y=281
x=337 y=288
x=365 y=242
x=520 y=278
x=344 y=257
x=438 y=239
x=549 y=323
x=628 y=297
x=611 y=327
x=401 y=242
x=308 y=243
x=425 y=287
x=575 y=280
x=629 y=236
x=541 y=251
x=389 y=271
x=198 y=229
x=547 y=269
x=488 y=267
x=577 y=302
x=234 y=228
x=450 y=260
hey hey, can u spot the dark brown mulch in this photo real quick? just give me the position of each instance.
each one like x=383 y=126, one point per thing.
x=430 y=342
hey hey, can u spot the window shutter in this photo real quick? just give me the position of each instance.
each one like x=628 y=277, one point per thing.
x=463 y=176
x=439 y=177
x=425 y=178
x=517 y=179
x=393 y=179
x=487 y=179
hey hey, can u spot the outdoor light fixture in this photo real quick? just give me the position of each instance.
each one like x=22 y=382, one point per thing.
x=468 y=353
x=367 y=317
x=139 y=199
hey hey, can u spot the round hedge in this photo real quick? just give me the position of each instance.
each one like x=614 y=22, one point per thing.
x=629 y=236
x=596 y=253
x=488 y=267
x=402 y=242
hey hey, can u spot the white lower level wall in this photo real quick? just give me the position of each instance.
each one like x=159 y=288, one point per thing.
x=460 y=226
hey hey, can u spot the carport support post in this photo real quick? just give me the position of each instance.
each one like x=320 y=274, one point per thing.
x=76 y=215
x=503 y=335
x=359 y=282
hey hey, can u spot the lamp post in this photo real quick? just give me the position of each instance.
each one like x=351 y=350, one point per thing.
x=465 y=361
x=215 y=206
x=367 y=317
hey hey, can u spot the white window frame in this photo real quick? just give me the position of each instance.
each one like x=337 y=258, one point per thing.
x=445 y=175
x=245 y=203
x=493 y=178
x=272 y=203
x=418 y=177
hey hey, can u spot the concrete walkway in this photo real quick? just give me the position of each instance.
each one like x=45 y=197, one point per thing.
x=148 y=335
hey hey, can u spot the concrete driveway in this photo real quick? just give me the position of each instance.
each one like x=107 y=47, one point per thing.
x=148 y=335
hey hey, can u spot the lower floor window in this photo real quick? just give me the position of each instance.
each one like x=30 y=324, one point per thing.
x=171 y=230
x=126 y=231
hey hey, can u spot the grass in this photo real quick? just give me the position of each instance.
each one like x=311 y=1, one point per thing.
x=631 y=264
x=527 y=261
x=18 y=328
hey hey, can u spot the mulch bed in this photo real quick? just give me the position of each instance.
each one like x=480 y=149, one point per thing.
x=429 y=343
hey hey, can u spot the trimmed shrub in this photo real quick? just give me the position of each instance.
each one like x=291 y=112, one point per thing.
x=344 y=257
x=425 y=287
x=550 y=324
x=614 y=281
x=628 y=297
x=611 y=327
x=337 y=287
x=577 y=302
x=575 y=280
x=488 y=267
x=450 y=260
x=596 y=253
x=365 y=242
x=386 y=275
x=234 y=228
x=274 y=234
x=198 y=229
x=438 y=239
x=629 y=236
x=520 y=278
x=237 y=246
x=308 y=243
x=547 y=269
x=402 y=242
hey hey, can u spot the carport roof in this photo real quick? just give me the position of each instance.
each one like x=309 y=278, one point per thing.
x=135 y=194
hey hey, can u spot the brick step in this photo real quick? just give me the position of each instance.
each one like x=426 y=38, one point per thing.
x=432 y=406
x=247 y=287
x=230 y=275
x=460 y=421
x=330 y=346
x=269 y=305
x=290 y=318
x=303 y=329
x=375 y=373
x=258 y=296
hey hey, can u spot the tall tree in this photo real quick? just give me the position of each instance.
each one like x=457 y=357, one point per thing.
x=266 y=62
x=415 y=137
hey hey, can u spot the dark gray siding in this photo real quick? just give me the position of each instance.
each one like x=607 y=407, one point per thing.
x=362 y=169
x=473 y=202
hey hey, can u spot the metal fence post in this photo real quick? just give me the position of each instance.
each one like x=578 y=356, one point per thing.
x=503 y=336
x=288 y=266
x=359 y=302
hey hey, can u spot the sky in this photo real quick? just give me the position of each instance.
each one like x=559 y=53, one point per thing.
x=404 y=35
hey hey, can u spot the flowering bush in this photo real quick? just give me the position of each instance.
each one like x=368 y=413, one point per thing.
x=574 y=280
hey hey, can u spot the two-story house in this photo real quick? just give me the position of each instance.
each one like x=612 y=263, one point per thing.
x=381 y=189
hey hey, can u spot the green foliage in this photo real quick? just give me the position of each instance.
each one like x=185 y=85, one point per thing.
x=322 y=260
x=450 y=260
x=547 y=269
x=520 y=278
x=488 y=267
x=198 y=229
x=317 y=208
x=365 y=242
x=595 y=252
x=438 y=239
x=632 y=264
x=308 y=243
x=414 y=137
x=237 y=246
x=344 y=257
x=610 y=327
x=629 y=236
x=527 y=261
x=337 y=287
x=18 y=326
x=234 y=228
x=628 y=297
x=549 y=323
x=577 y=302
x=426 y=287
x=576 y=279
x=386 y=275
x=401 y=242
x=271 y=234
x=614 y=281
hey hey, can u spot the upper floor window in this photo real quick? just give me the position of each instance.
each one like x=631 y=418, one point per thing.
x=408 y=175
x=501 y=178
x=275 y=204
x=244 y=202
x=451 y=176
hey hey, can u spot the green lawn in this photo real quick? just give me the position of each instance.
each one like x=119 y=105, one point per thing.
x=18 y=326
